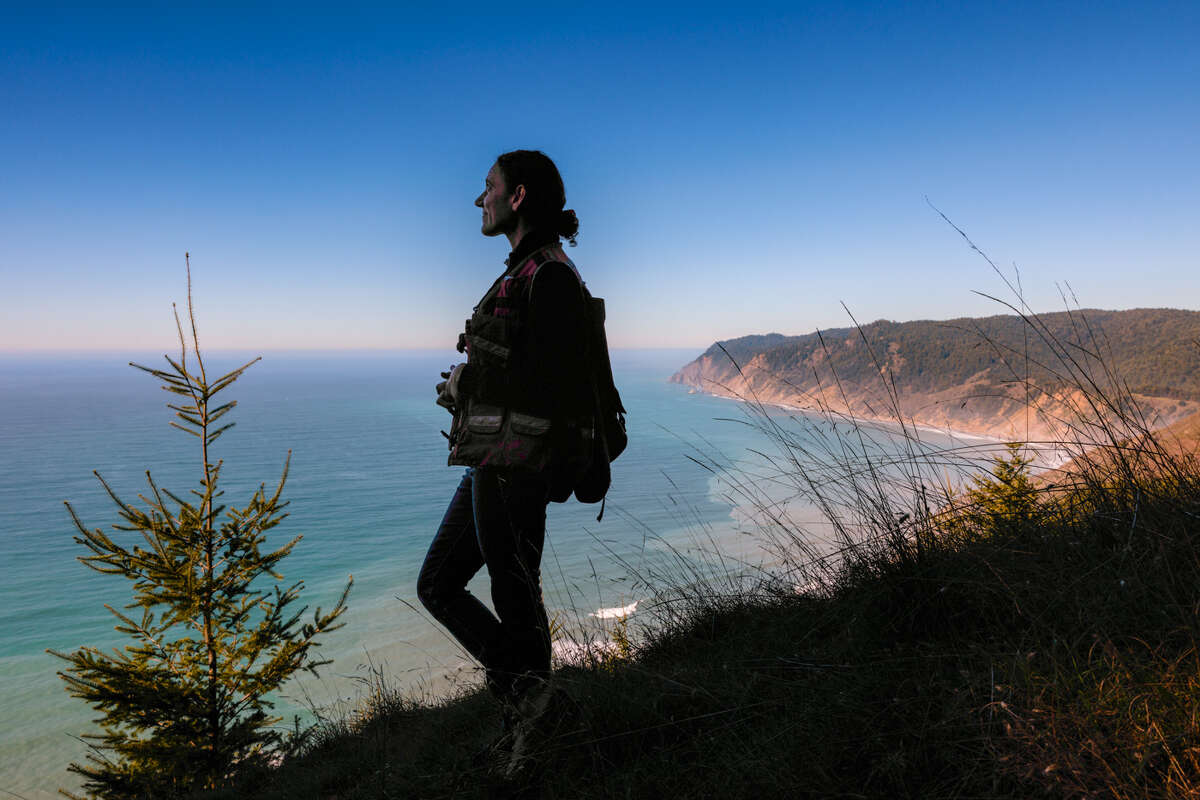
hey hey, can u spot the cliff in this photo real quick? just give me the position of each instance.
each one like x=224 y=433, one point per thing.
x=996 y=376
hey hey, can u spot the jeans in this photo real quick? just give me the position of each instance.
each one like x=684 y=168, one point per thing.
x=497 y=518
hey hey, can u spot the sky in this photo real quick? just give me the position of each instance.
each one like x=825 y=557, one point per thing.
x=736 y=168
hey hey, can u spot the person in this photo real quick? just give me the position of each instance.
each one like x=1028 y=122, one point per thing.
x=522 y=405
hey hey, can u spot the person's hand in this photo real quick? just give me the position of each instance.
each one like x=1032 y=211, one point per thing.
x=447 y=390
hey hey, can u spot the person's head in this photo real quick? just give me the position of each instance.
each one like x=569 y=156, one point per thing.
x=523 y=192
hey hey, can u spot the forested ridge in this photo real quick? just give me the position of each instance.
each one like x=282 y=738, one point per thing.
x=1006 y=376
x=1155 y=350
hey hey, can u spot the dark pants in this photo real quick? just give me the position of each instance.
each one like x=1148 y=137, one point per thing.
x=496 y=518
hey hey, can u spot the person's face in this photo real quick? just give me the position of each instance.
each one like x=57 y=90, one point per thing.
x=499 y=204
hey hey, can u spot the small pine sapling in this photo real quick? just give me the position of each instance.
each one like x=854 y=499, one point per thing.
x=187 y=703
x=1007 y=497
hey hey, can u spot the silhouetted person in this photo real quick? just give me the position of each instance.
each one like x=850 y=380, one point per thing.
x=522 y=404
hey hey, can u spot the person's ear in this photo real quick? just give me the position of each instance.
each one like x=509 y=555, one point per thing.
x=518 y=196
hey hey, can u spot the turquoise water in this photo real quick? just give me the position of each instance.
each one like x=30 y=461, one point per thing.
x=368 y=485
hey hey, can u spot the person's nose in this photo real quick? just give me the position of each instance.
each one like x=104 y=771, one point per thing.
x=479 y=200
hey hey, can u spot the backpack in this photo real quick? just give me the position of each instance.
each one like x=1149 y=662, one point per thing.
x=609 y=436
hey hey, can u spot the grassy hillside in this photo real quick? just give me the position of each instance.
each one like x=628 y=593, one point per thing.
x=1015 y=638
x=1043 y=651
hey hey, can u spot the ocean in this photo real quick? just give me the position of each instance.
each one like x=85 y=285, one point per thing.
x=368 y=484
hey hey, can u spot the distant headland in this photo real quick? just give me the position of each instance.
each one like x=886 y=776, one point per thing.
x=1003 y=376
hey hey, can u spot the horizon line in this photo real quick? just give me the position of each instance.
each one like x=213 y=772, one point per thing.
x=330 y=350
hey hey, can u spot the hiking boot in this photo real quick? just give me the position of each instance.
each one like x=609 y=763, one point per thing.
x=494 y=757
x=545 y=712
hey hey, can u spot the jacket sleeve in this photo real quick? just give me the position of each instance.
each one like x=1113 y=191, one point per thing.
x=558 y=344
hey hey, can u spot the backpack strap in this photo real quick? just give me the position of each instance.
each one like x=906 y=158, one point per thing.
x=523 y=276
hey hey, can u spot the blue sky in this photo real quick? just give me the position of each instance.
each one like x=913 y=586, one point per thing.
x=736 y=168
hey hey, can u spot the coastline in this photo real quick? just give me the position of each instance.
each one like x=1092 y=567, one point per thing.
x=1047 y=456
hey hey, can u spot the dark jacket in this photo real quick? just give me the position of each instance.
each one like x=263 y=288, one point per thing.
x=528 y=355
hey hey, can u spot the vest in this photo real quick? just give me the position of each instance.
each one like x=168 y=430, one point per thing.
x=490 y=429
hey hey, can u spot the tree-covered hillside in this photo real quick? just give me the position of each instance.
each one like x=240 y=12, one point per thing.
x=1156 y=351
x=1003 y=376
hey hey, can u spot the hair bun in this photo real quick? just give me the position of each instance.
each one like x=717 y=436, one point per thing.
x=568 y=224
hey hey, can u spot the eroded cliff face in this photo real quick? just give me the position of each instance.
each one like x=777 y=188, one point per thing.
x=987 y=403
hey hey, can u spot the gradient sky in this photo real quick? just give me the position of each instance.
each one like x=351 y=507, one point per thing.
x=736 y=168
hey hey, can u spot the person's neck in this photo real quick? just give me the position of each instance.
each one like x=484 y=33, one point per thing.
x=517 y=234
x=526 y=245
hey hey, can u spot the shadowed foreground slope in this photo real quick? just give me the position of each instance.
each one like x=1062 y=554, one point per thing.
x=1015 y=647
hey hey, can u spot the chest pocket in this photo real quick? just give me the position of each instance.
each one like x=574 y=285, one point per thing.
x=496 y=324
x=490 y=342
